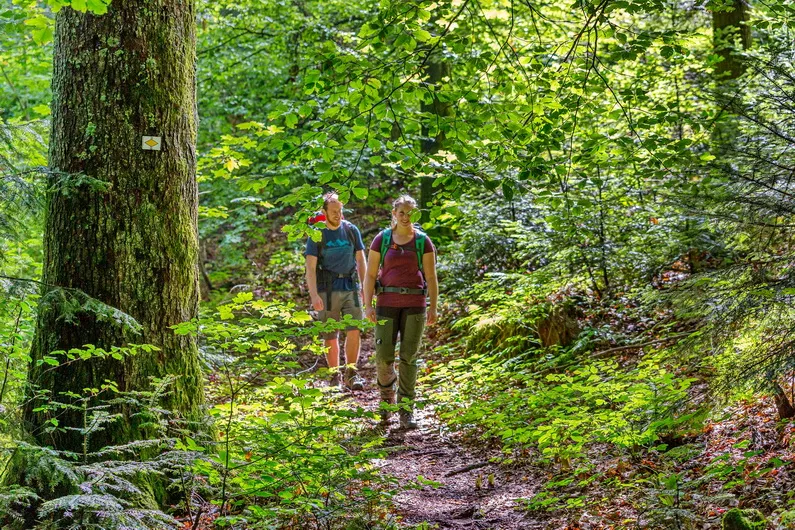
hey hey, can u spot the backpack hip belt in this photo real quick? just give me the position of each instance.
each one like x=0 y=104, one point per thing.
x=329 y=284
x=400 y=290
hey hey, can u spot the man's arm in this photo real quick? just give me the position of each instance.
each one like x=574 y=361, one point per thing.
x=361 y=269
x=311 y=282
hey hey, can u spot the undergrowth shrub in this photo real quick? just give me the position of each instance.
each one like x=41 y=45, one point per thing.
x=286 y=453
x=560 y=414
x=290 y=455
x=107 y=488
x=492 y=236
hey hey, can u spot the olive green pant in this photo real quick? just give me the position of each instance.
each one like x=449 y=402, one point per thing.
x=409 y=322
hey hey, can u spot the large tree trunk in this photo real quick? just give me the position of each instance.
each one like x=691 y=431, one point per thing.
x=121 y=222
x=729 y=26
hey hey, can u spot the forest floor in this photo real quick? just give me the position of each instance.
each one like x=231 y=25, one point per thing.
x=469 y=491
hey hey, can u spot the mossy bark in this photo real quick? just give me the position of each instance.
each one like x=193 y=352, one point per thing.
x=121 y=222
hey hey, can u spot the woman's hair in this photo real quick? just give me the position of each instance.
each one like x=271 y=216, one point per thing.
x=404 y=199
x=407 y=200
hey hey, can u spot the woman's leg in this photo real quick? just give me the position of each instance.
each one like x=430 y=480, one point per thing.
x=385 y=338
x=412 y=324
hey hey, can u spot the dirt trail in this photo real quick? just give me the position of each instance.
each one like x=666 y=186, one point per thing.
x=466 y=497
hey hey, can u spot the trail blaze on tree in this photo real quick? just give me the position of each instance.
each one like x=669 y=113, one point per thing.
x=121 y=222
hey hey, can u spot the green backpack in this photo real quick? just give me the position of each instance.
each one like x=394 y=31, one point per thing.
x=419 y=244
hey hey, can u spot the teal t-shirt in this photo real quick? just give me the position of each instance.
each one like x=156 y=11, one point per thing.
x=339 y=253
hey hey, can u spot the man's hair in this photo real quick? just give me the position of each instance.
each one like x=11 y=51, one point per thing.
x=329 y=198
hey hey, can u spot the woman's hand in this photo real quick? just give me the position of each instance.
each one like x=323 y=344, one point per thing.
x=432 y=316
x=369 y=314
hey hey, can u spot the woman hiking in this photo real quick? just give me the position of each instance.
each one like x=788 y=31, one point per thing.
x=401 y=272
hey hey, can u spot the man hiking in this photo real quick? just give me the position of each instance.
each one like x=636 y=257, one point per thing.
x=335 y=270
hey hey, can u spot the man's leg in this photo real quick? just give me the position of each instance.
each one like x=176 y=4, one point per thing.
x=333 y=352
x=353 y=339
x=331 y=340
x=350 y=306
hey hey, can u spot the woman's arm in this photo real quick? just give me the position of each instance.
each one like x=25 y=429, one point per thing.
x=373 y=264
x=429 y=268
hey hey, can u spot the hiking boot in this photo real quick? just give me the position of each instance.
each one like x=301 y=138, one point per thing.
x=352 y=379
x=385 y=416
x=388 y=399
x=407 y=421
x=335 y=383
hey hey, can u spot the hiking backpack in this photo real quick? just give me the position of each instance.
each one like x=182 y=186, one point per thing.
x=419 y=245
x=350 y=234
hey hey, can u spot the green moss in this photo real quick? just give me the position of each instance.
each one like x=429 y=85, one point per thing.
x=737 y=519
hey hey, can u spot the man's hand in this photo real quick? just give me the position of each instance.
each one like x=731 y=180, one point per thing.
x=317 y=302
x=431 y=318
x=369 y=314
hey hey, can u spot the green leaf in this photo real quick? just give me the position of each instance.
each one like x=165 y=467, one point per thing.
x=361 y=193
x=98 y=7
x=507 y=189
x=42 y=110
x=422 y=36
x=243 y=297
x=42 y=36
x=39 y=21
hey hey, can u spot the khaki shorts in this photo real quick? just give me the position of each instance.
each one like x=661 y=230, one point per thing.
x=342 y=303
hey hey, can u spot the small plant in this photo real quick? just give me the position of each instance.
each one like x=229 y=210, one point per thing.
x=107 y=488
x=290 y=455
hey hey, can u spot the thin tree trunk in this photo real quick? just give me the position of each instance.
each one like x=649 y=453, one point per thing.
x=783 y=405
x=436 y=70
x=728 y=27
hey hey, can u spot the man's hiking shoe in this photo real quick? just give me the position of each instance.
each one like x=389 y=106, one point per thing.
x=352 y=379
x=407 y=421
x=335 y=383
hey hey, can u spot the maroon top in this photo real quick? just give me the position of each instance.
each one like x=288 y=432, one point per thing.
x=401 y=270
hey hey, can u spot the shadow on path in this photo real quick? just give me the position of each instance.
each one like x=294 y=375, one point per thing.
x=472 y=492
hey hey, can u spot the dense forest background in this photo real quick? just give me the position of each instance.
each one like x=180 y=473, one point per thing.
x=608 y=184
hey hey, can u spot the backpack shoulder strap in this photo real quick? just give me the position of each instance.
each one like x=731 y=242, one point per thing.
x=419 y=244
x=350 y=234
x=386 y=239
x=320 y=245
